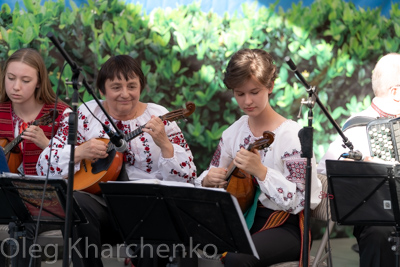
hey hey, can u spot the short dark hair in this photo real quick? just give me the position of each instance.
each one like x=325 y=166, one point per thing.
x=247 y=63
x=120 y=66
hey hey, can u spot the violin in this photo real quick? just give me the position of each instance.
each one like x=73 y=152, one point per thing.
x=13 y=152
x=240 y=183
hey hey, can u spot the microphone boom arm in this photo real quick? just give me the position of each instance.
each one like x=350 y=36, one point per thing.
x=311 y=90
x=76 y=68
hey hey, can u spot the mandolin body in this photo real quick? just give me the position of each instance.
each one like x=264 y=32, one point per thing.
x=14 y=157
x=11 y=149
x=241 y=186
x=103 y=170
x=240 y=183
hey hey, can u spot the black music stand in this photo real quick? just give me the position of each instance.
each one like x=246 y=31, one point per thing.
x=21 y=197
x=366 y=193
x=165 y=214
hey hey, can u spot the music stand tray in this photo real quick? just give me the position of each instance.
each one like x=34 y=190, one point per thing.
x=165 y=214
x=364 y=193
x=21 y=197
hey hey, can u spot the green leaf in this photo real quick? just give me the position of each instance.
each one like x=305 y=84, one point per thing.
x=5 y=8
x=397 y=28
x=145 y=68
x=283 y=74
x=73 y=5
x=207 y=73
x=176 y=65
x=14 y=40
x=181 y=40
x=348 y=14
x=28 y=35
x=29 y=5
x=294 y=46
x=4 y=34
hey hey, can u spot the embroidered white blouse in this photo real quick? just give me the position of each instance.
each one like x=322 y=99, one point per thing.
x=284 y=184
x=143 y=158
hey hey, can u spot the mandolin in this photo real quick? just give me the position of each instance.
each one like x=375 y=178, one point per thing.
x=240 y=183
x=13 y=152
x=108 y=169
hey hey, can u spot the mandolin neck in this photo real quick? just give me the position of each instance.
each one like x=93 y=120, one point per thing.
x=16 y=140
x=232 y=167
x=12 y=144
x=128 y=137
x=139 y=131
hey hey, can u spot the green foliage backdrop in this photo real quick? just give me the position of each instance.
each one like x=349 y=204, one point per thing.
x=183 y=52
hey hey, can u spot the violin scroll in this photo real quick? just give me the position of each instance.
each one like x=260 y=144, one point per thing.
x=180 y=113
x=267 y=139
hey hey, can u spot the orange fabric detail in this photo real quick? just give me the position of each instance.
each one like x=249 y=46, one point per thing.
x=301 y=225
x=22 y=128
x=276 y=219
x=223 y=255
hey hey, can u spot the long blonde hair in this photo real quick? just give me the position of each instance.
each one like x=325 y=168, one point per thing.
x=44 y=92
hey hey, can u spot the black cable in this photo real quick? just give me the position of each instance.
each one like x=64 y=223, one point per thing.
x=80 y=98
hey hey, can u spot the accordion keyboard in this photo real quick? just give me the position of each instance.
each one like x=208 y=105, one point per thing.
x=383 y=137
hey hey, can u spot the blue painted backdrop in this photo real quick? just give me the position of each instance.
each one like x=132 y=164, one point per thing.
x=230 y=6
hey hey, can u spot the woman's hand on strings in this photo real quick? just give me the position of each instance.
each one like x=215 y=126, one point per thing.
x=250 y=162
x=92 y=150
x=216 y=177
x=156 y=129
x=36 y=135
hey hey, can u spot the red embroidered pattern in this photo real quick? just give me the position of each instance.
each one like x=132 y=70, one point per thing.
x=246 y=142
x=125 y=129
x=297 y=171
x=85 y=121
x=178 y=173
x=60 y=137
x=178 y=139
x=217 y=155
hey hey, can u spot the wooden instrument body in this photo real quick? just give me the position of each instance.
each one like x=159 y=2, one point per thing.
x=92 y=173
x=14 y=157
x=242 y=186
x=240 y=183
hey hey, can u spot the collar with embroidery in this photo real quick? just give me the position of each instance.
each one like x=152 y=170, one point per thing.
x=381 y=112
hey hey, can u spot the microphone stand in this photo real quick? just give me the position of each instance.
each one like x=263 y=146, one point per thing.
x=306 y=140
x=77 y=80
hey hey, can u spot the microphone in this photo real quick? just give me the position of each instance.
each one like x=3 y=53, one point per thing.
x=356 y=155
x=290 y=63
x=116 y=138
x=298 y=75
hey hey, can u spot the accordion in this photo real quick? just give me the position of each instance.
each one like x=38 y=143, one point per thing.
x=384 y=138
